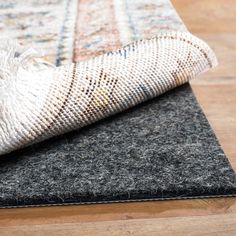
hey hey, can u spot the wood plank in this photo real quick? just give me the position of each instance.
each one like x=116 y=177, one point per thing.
x=218 y=98
x=117 y=211
x=178 y=226
x=218 y=102
x=211 y=16
x=224 y=46
x=216 y=89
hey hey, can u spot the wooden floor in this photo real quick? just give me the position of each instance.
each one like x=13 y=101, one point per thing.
x=215 y=22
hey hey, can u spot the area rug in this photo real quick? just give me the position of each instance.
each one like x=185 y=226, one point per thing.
x=161 y=149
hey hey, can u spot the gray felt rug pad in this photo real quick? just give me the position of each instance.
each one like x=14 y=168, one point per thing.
x=160 y=149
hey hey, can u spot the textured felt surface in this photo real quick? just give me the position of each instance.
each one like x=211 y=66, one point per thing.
x=163 y=148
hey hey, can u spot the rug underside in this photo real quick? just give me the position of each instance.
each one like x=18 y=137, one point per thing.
x=160 y=149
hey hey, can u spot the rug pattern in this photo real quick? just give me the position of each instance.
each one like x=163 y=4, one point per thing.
x=57 y=28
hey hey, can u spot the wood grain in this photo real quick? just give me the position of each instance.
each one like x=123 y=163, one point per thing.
x=210 y=16
x=225 y=48
x=213 y=21
x=178 y=226
x=218 y=102
x=117 y=211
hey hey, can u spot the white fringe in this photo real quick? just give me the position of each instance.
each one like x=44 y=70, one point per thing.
x=14 y=56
